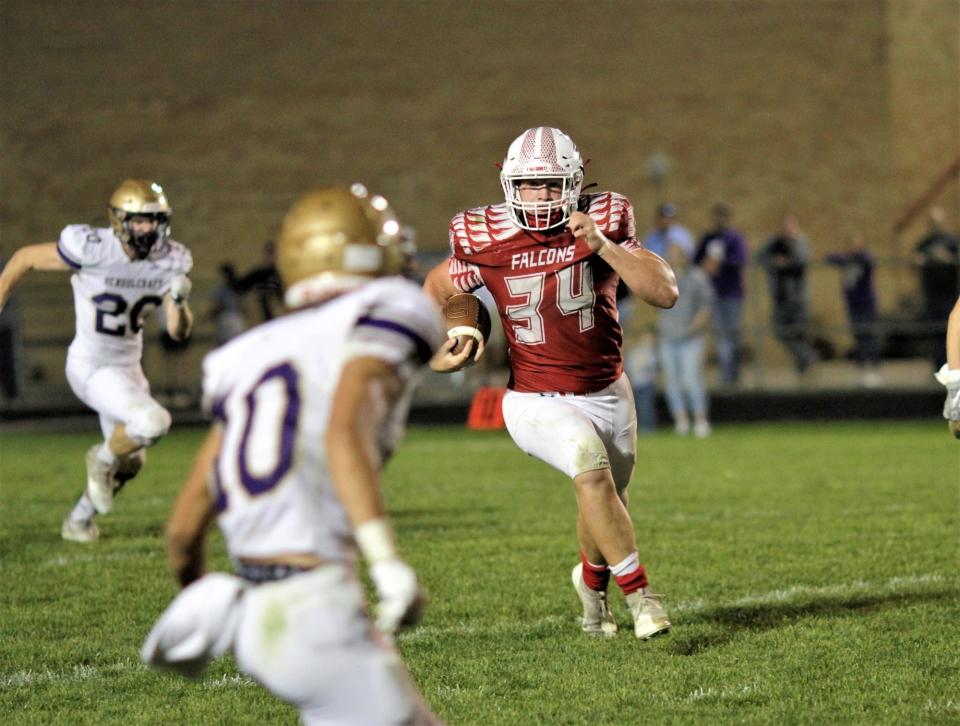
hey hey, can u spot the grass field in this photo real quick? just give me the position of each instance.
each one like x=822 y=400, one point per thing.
x=811 y=573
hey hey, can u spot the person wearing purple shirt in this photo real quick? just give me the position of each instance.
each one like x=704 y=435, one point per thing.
x=856 y=269
x=722 y=252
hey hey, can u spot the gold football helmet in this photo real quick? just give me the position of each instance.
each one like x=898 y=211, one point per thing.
x=337 y=238
x=142 y=198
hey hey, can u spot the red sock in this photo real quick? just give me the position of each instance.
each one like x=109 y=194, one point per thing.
x=633 y=581
x=596 y=577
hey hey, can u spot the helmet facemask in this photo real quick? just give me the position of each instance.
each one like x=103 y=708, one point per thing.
x=142 y=244
x=548 y=155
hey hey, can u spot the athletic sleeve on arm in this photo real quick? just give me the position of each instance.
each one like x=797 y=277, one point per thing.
x=464 y=275
x=181 y=258
x=613 y=214
x=176 y=261
x=75 y=243
x=626 y=228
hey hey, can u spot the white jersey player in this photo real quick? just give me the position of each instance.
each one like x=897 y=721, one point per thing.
x=306 y=409
x=120 y=275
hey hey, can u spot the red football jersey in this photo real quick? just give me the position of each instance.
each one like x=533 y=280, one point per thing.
x=556 y=299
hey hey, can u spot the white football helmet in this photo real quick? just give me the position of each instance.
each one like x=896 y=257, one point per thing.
x=542 y=153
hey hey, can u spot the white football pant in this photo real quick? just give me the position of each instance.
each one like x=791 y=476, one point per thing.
x=119 y=394
x=309 y=641
x=576 y=434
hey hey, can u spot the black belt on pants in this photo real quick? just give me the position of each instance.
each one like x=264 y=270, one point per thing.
x=268 y=572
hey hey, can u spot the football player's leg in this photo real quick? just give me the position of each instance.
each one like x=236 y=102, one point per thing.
x=556 y=431
x=122 y=397
x=561 y=435
x=650 y=618
x=308 y=641
x=621 y=437
x=123 y=394
x=79 y=525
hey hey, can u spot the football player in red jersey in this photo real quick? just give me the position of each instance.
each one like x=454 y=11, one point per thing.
x=551 y=257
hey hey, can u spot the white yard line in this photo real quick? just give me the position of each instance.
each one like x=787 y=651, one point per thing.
x=80 y=673
x=796 y=592
x=76 y=674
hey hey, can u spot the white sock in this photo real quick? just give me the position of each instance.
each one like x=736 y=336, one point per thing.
x=105 y=455
x=630 y=564
x=83 y=511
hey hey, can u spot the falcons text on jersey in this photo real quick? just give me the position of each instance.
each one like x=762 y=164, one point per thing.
x=556 y=299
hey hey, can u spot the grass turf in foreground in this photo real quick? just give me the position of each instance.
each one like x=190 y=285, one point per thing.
x=810 y=572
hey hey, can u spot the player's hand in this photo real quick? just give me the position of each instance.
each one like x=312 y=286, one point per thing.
x=446 y=361
x=180 y=287
x=584 y=226
x=400 y=603
x=951 y=406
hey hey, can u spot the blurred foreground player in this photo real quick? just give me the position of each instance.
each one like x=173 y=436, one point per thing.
x=551 y=258
x=120 y=274
x=307 y=408
x=949 y=373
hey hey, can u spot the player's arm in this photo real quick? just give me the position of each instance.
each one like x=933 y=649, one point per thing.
x=365 y=394
x=176 y=310
x=647 y=275
x=43 y=256
x=953 y=337
x=367 y=388
x=439 y=286
x=949 y=375
x=192 y=514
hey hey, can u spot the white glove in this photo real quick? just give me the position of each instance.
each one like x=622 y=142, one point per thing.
x=400 y=601
x=180 y=287
x=950 y=379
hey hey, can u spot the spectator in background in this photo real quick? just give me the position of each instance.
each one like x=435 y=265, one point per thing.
x=682 y=338
x=641 y=367
x=226 y=311
x=264 y=279
x=667 y=231
x=722 y=253
x=10 y=347
x=785 y=257
x=856 y=269
x=937 y=258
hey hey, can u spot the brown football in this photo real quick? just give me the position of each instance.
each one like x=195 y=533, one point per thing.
x=466 y=317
